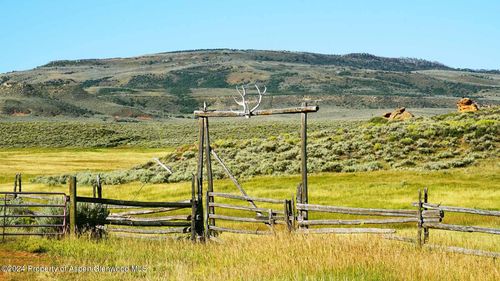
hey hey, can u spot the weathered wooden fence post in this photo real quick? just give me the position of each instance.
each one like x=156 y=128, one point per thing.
x=303 y=156
x=299 y=201
x=193 y=209
x=288 y=214
x=420 y=219
x=72 y=205
x=426 y=229
x=20 y=182
x=99 y=187
x=210 y=183
x=15 y=185
x=199 y=181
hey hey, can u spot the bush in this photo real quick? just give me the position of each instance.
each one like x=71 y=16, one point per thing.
x=90 y=219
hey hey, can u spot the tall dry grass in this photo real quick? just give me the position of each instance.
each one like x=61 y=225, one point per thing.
x=280 y=257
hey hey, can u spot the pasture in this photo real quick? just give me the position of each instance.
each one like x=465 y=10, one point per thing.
x=279 y=257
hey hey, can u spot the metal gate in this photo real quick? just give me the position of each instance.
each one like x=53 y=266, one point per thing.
x=33 y=213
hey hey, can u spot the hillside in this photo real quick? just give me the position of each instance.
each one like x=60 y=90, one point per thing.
x=433 y=143
x=176 y=83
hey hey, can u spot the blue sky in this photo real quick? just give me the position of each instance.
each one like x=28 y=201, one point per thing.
x=457 y=33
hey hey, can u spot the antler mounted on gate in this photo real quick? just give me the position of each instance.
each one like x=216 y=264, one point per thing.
x=247 y=111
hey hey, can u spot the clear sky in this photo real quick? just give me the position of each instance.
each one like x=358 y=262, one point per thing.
x=454 y=32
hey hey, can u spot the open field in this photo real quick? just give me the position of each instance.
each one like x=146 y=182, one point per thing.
x=48 y=161
x=281 y=257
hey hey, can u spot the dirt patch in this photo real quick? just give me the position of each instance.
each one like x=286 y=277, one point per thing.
x=11 y=259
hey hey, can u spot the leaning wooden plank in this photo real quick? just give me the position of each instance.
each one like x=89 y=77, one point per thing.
x=163 y=165
x=462 y=210
x=464 y=251
x=446 y=248
x=150 y=231
x=240 y=231
x=291 y=110
x=462 y=228
x=133 y=203
x=357 y=222
x=358 y=211
x=146 y=222
x=242 y=208
x=348 y=230
x=229 y=218
x=239 y=197
x=233 y=179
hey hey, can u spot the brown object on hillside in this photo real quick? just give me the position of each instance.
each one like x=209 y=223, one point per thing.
x=399 y=114
x=467 y=105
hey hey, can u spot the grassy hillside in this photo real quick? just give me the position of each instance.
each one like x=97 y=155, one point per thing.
x=433 y=143
x=167 y=84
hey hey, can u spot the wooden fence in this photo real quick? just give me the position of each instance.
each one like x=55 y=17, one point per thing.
x=283 y=214
x=130 y=220
x=423 y=226
x=397 y=216
x=133 y=224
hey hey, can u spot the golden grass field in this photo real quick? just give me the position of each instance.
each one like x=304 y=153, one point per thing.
x=280 y=257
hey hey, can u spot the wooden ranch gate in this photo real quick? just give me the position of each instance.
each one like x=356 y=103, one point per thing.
x=264 y=216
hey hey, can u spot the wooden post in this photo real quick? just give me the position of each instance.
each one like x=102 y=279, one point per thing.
x=4 y=215
x=420 y=219
x=15 y=185
x=94 y=188
x=426 y=229
x=20 y=182
x=271 y=219
x=99 y=187
x=199 y=181
x=72 y=205
x=193 y=209
x=288 y=213
x=208 y=163
x=299 y=200
x=207 y=214
x=303 y=156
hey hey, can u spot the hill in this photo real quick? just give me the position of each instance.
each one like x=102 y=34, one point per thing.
x=176 y=83
x=431 y=143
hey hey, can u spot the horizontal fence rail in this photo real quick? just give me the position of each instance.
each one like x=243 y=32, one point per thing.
x=460 y=209
x=348 y=230
x=133 y=203
x=358 y=222
x=461 y=228
x=358 y=211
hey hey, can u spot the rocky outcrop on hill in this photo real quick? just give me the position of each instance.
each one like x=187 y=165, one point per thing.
x=467 y=105
x=399 y=114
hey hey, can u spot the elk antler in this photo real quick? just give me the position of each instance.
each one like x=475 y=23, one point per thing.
x=260 y=97
x=244 y=102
